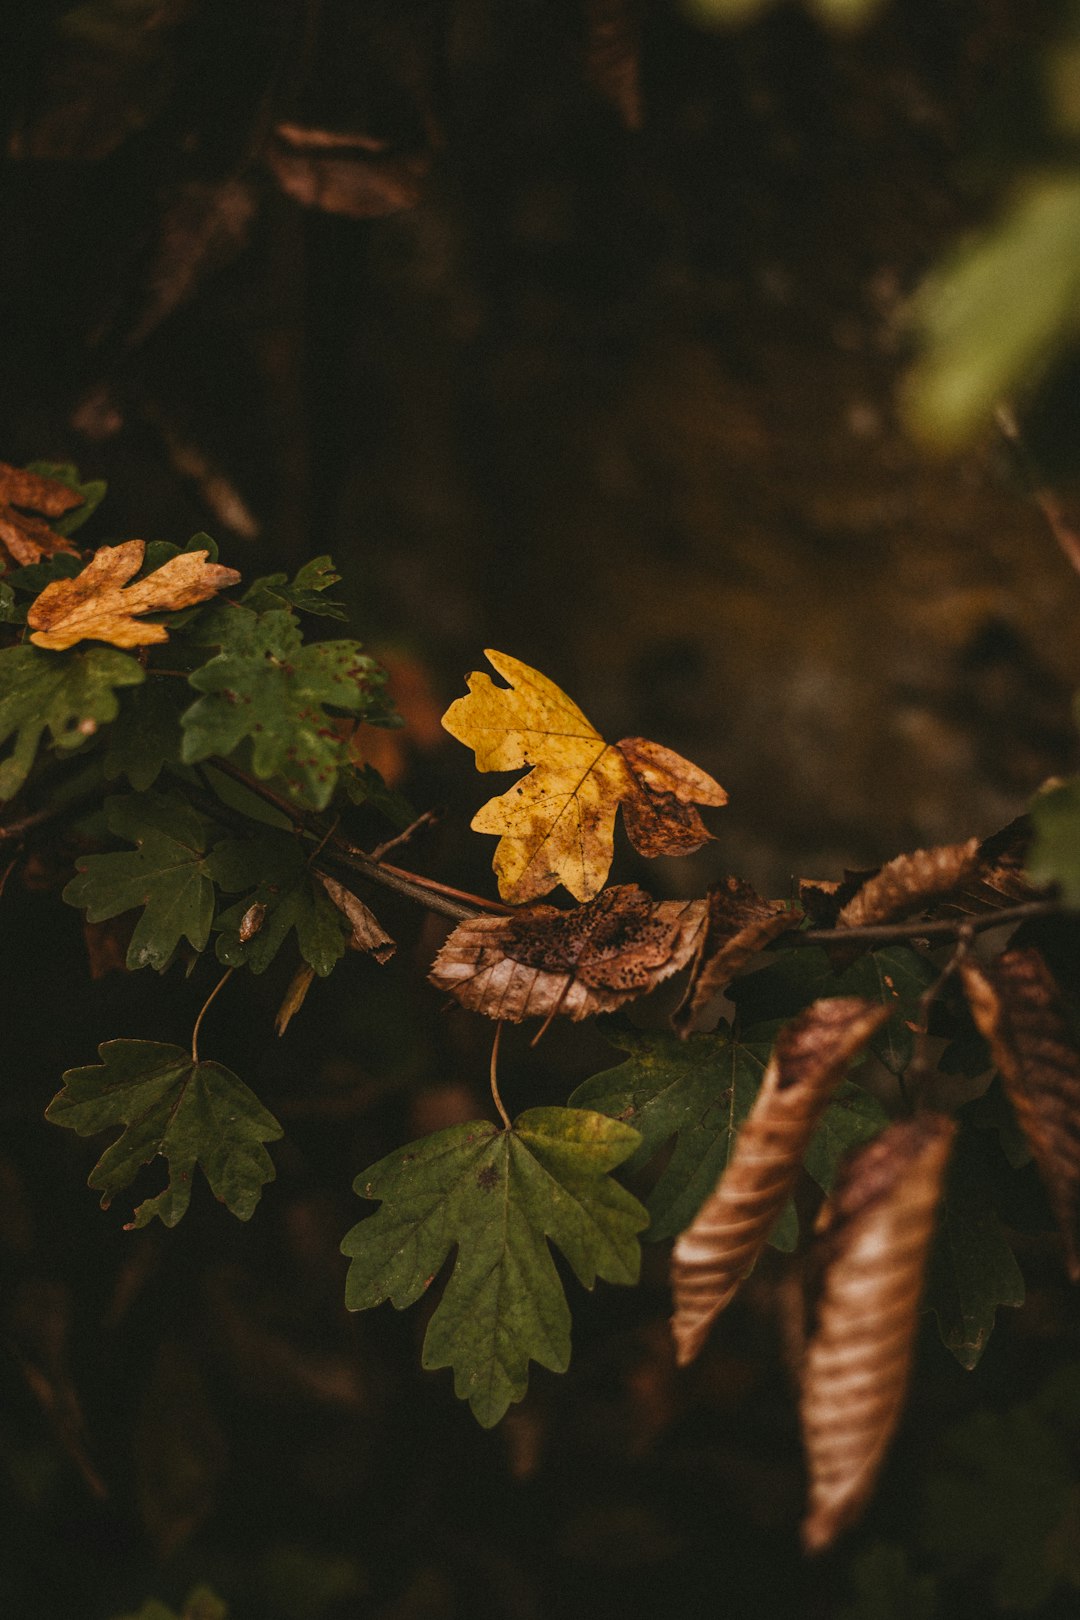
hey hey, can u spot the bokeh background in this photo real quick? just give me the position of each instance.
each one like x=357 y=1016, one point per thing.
x=577 y=329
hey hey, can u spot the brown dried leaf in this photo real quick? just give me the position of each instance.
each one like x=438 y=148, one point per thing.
x=613 y=56
x=25 y=538
x=660 y=818
x=543 y=961
x=823 y=900
x=875 y=1236
x=739 y=925
x=721 y=1244
x=1017 y=1008
x=910 y=883
x=294 y=997
x=367 y=932
x=347 y=174
x=98 y=605
x=35 y=493
x=1000 y=879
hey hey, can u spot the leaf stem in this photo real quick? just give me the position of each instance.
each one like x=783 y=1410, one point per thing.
x=495 y=1097
x=222 y=982
x=920 y=1069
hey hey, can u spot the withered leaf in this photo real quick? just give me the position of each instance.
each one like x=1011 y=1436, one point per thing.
x=367 y=932
x=543 y=961
x=613 y=56
x=294 y=997
x=25 y=538
x=739 y=925
x=874 y=1239
x=344 y=173
x=1017 y=1008
x=910 y=883
x=557 y=824
x=99 y=605
x=721 y=1244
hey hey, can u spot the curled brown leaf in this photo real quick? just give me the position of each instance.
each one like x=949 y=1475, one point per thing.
x=368 y=933
x=739 y=924
x=720 y=1246
x=910 y=883
x=99 y=605
x=874 y=1238
x=1017 y=1008
x=542 y=961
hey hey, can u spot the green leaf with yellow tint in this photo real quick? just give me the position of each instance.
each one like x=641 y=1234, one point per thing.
x=500 y=1196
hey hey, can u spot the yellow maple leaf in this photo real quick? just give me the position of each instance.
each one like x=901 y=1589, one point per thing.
x=557 y=824
x=99 y=605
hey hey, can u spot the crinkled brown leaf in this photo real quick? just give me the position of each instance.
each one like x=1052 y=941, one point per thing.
x=721 y=1244
x=543 y=961
x=99 y=605
x=342 y=173
x=910 y=883
x=613 y=56
x=25 y=538
x=367 y=932
x=1017 y=1007
x=874 y=1239
x=557 y=824
x=739 y=925
x=999 y=879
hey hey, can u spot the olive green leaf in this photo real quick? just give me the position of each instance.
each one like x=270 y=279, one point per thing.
x=499 y=1196
x=69 y=694
x=174 y=1107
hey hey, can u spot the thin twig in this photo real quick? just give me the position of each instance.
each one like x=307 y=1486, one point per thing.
x=1050 y=504
x=496 y=1099
x=382 y=850
x=222 y=982
x=941 y=928
x=920 y=1069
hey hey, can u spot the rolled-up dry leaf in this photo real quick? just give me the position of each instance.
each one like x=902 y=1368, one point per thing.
x=910 y=883
x=874 y=1239
x=1017 y=1007
x=721 y=1245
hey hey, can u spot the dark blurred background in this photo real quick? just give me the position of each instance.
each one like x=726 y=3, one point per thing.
x=574 y=329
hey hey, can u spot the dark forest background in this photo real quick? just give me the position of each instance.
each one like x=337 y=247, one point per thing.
x=587 y=344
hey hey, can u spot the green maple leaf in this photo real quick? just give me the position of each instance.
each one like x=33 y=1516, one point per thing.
x=146 y=733
x=273 y=870
x=972 y=1269
x=70 y=694
x=267 y=687
x=499 y=1196
x=166 y=874
x=173 y=1106
x=305 y=592
x=698 y=1091
x=895 y=976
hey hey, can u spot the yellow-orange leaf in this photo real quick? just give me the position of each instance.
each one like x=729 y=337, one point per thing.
x=874 y=1238
x=557 y=824
x=99 y=605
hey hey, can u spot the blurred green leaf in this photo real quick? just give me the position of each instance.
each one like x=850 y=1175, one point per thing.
x=993 y=319
x=69 y=694
x=972 y=1269
x=1054 y=856
x=174 y=1107
x=200 y=1604
x=1003 y=1503
x=885 y=1587
x=499 y=1196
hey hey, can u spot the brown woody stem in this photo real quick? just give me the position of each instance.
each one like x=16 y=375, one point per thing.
x=942 y=928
